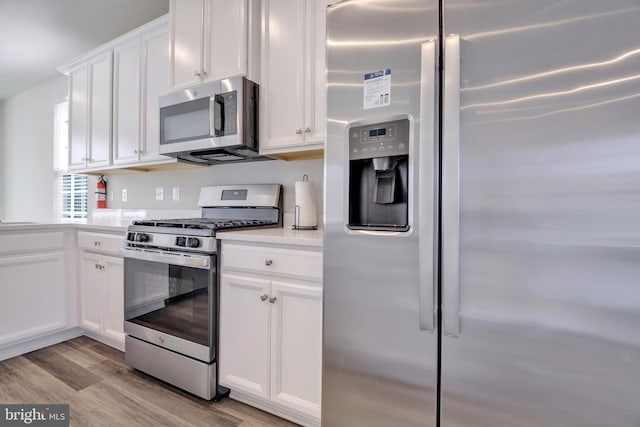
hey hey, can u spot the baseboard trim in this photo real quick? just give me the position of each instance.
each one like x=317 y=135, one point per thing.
x=275 y=409
x=111 y=342
x=38 y=343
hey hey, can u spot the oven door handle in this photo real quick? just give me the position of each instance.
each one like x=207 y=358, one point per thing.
x=184 y=260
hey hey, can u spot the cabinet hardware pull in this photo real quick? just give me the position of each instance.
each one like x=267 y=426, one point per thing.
x=272 y=300
x=264 y=297
x=204 y=73
x=136 y=151
x=268 y=262
x=196 y=73
x=298 y=131
x=97 y=266
x=307 y=129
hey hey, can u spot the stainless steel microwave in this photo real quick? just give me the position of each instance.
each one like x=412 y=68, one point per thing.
x=213 y=123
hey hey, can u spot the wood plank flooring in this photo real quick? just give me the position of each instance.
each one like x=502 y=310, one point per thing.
x=103 y=391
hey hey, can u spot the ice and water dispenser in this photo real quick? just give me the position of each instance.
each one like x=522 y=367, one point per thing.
x=378 y=176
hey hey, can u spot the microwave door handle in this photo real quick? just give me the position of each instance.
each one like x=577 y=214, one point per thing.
x=217 y=119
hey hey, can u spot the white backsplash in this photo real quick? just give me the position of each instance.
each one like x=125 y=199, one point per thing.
x=141 y=187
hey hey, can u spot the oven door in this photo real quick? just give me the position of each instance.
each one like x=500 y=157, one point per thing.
x=170 y=300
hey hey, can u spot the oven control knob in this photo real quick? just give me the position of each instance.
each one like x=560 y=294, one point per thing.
x=142 y=237
x=181 y=241
x=131 y=236
x=192 y=242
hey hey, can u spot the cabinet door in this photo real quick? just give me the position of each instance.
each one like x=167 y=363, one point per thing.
x=244 y=334
x=113 y=275
x=91 y=295
x=186 y=42
x=296 y=346
x=225 y=43
x=315 y=72
x=155 y=84
x=282 y=91
x=126 y=102
x=34 y=295
x=78 y=109
x=100 y=72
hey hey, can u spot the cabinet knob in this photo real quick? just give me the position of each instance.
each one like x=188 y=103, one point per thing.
x=307 y=130
x=264 y=297
x=136 y=151
x=196 y=73
x=272 y=300
x=204 y=73
x=84 y=159
x=97 y=266
x=97 y=243
x=268 y=262
x=298 y=131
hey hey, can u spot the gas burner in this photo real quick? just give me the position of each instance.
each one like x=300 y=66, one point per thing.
x=203 y=223
x=223 y=208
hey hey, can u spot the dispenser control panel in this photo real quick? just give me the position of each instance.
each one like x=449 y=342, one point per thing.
x=379 y=140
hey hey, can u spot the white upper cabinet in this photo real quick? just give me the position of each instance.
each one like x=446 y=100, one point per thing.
x=90 y=112
x=141 y=76
x=226 y=46
x=100 y=79
x=126 y=101
x=208 y=40
x=78 y=113
x=187 y=28
x=293 y=76
x=113 y=101
x=155 y=83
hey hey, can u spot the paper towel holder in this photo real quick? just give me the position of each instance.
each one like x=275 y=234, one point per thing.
x=296 y=223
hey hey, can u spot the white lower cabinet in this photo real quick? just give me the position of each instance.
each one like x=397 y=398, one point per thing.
x=34 y=300
x=101 y=287
x=271 y=329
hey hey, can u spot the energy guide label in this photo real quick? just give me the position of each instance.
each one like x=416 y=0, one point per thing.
x=377 y=89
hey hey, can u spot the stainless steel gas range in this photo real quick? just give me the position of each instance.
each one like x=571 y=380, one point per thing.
x=171 y=285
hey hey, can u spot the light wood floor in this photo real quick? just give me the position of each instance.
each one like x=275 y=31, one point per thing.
x=103 y=391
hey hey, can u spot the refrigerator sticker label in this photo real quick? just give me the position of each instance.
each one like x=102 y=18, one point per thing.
x=377 y=89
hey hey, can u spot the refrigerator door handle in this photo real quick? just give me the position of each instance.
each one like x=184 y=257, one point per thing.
x=427 y=173
x=451 y=188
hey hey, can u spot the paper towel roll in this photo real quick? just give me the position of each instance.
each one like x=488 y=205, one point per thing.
x=305 y=213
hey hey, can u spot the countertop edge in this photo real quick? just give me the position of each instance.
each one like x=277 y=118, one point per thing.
x=35 y=226
x=282 y=236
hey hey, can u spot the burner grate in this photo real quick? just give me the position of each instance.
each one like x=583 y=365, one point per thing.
x=203 y=223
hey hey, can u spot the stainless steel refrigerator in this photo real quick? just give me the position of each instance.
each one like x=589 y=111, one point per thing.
x=482 y=214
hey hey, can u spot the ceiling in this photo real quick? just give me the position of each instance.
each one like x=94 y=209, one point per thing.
x=36 y=36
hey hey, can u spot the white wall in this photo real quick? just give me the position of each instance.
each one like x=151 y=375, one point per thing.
x=27 y=156
x=141 y=187
x=2 y=178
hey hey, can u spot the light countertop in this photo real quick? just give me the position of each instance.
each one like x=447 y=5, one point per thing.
x=114 y=228
x=284 y=236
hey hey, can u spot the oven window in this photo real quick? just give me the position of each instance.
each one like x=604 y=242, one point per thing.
x=172 y=299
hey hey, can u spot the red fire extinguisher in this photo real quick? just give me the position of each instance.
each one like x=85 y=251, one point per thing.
x=101 y=193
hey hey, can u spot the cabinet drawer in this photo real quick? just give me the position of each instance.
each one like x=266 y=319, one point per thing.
x=27 y=242
x=289 y=262
x=99 y=242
